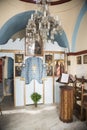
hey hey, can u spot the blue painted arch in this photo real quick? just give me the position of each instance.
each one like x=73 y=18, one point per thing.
x=14 y=25
x=77 y=25
x=18 y=23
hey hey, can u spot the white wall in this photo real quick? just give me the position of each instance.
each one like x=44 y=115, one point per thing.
x=77 y=69
x=81 y=42
x=14 y=45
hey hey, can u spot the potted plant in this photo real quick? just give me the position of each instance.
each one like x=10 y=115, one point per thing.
x=35 y=97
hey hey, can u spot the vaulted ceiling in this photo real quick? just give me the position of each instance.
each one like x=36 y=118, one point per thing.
x=18 y=23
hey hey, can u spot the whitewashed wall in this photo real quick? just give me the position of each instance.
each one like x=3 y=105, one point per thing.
x=14 y=45
x=77 y=69
x=7 y=54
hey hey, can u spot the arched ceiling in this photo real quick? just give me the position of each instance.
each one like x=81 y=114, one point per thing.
x=78 y=22
x=18 y=23
x=14 y=25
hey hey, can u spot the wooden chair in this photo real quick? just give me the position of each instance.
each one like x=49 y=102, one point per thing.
x=84 y=103
x=79 y=91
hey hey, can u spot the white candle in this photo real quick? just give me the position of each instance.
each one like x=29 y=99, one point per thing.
x=57 y=18
x=48 y=25
x=44 y=13
x=32 y=16
x=36 y=11
x=60 y=23
x=46 y=7
x=39 y=25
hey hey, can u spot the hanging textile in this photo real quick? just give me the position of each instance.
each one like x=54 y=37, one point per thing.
x=8 y=67
x=33 y=69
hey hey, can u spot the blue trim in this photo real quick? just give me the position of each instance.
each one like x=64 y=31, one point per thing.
x=78 y=22
x=19 y=22
x=13 y=25
x=62 y=40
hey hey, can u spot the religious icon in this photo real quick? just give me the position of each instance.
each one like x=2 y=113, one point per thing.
x=48 y=58
x=34 y=47
x=59 y=67
x=18 y=71
x=19 y=58
x=49 y=70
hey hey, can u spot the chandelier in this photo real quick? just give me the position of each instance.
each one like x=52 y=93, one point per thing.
x=42 y=24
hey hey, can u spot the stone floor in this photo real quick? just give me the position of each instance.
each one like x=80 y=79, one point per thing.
x=44 y=117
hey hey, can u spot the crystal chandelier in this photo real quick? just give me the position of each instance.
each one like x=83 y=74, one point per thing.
x=42 y=24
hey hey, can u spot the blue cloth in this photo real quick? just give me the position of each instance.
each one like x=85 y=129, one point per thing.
x=33 y=69
x=10 y=68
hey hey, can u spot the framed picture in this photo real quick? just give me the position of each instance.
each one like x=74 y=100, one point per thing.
x=19 y=58
x=18 y=71
x=84 y=59
x=68 y=62
x=34 y=48
x=79 y=60
x=64 y=78
x=49 y=70
x=49 y=58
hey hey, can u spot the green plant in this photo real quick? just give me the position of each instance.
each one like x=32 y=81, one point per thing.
x=35 y=97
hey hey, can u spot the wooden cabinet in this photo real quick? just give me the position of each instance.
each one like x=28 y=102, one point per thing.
x=66 y=103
